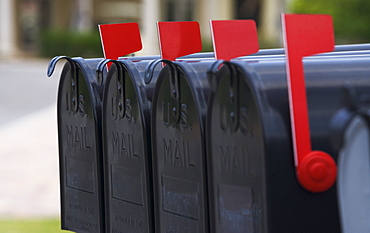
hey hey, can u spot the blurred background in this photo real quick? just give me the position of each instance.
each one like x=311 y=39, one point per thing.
x=49 y=27
x=33 y=31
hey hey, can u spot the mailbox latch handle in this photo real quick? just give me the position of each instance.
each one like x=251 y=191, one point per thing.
x=72 y=93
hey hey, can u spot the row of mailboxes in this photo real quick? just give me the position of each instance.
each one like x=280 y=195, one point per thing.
x=205 y=145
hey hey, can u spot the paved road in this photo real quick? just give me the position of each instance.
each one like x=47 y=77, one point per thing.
x=29 y=176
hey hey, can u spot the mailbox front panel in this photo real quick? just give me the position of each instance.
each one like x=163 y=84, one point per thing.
x=179 y=160
x=235 y=153
x=79 y=153
x=128 y=166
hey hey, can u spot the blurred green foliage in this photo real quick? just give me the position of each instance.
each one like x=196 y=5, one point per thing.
x=207 y=46
x=70 y=43
x=351 y=17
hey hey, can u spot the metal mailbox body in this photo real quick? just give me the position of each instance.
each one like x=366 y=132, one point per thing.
x=179 y=148
x=127 y=148
x=80 y=152
x=253 y=186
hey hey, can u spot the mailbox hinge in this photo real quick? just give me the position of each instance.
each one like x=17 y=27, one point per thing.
x=73 y=89
x=233 y=99
x=175 y=95
x=121 y=91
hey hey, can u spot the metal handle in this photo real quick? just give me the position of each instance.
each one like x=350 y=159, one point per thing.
x=73 y=87
x=232 y=106
x=121 y=69
x=53 y=62
x=174 y=85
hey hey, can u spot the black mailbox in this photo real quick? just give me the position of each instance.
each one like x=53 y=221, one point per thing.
x=80 y=150
x=178 y=146
x=253 y=187
x=127 y=147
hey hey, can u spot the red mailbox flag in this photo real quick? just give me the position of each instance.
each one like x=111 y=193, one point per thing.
x=119 y=39
x=177 y=39
x=305 y=35
x=234 y=38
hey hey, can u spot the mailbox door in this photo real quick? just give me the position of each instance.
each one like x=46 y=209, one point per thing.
x=235 y=153
x=179 y=154
x=127 y=153
x=80 y=152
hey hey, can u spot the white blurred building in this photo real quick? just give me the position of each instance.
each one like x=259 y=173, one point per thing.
x=7 y=28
